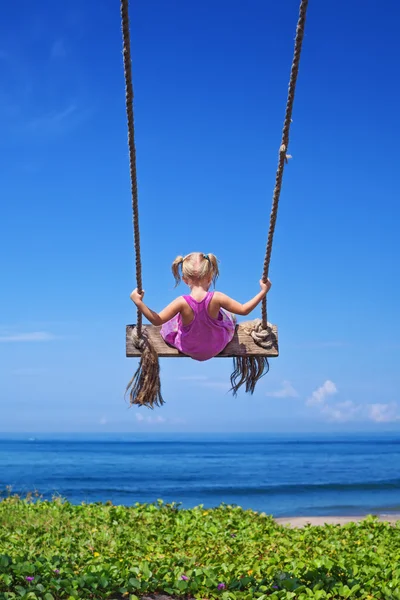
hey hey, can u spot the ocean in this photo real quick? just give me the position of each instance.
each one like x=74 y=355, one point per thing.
x=277 y=474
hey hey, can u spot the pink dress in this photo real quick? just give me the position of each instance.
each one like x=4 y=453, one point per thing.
x=204 y=337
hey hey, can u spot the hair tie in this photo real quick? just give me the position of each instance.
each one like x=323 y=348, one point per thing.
x=206 y=257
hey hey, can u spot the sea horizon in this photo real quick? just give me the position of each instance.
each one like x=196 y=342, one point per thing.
x=173 y=435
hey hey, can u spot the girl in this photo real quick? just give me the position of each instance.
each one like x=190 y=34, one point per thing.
x=198 y=324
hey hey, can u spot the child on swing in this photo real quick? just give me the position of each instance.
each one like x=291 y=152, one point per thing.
x=202 y=323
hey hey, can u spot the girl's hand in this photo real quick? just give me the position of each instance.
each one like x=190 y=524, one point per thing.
x=136 y=297
x=265 y=287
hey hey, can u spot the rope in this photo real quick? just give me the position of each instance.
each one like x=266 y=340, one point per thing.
x=283 y=157
x=145 y=386
x=132 y=150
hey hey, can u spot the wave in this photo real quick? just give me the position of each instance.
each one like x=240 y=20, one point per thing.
x=228 y=490
x=392 y=484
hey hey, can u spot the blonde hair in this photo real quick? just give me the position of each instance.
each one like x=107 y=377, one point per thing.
x=195 y=267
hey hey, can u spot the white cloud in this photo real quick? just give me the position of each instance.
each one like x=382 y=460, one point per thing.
x=33 y=336
x=341 y=412
x=156 y=420
x=318 y=396
x=383 y=413
x=286 y=391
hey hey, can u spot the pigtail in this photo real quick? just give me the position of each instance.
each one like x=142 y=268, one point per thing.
x=214 y=267
x=175 y=269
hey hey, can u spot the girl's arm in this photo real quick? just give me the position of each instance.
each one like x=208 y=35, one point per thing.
x=242 y=309
x=157 y=318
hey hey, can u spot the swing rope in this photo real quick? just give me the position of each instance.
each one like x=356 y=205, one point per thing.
x=283 y=157
x=248 y=370
x=145 y=385
x=132 y=150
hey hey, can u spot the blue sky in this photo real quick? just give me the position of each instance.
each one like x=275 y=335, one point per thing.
x=210 y=83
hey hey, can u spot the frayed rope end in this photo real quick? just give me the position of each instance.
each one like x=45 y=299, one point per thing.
x=145 y=386
x=248 y=370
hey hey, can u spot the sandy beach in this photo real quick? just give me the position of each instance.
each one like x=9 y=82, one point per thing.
x=303 y=521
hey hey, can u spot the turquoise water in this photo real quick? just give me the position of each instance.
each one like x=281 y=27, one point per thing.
x=281 y=475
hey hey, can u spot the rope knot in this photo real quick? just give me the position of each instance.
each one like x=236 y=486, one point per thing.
x=138 y=342
x=262 y=337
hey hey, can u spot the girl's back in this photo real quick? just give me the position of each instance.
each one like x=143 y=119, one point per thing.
x=205 y=336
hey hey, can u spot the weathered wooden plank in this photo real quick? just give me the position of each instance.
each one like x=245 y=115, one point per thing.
x=242 y=344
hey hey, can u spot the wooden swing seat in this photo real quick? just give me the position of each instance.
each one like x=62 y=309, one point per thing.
x=242 y=344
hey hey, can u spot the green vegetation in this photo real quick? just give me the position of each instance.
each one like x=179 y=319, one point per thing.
x=54 y=550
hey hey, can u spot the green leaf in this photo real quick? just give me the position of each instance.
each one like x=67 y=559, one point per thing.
x=4 y=560
x=181 y=585
x=135 y=583
x=20 y=590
